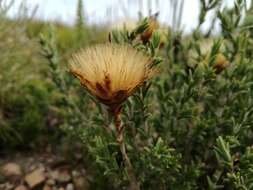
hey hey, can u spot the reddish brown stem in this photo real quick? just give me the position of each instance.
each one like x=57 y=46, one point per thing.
x=134 y=185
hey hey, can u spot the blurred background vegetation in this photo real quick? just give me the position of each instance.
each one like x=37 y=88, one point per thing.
x=27 y=94
x=191 y=129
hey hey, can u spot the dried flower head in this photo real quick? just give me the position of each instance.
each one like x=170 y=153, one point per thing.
x=111 y=72
x=153 y=25
x=221 y=63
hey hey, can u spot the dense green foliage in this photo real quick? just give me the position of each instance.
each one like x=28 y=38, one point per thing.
x=189 y=128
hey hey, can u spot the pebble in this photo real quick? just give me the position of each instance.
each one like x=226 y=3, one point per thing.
x=35 y=178
x=46 y=187
x=8 y=186
x=63 y=176
x=50 y=182
x=11 y=169
x=21 y=187
x=70 y=186
x=81 y=183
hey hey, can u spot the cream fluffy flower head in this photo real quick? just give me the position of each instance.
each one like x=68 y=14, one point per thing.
x=111 y=72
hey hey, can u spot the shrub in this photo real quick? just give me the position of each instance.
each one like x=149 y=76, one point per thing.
x=191 y=127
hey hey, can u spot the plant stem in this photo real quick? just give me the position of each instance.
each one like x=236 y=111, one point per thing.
x=134 y=185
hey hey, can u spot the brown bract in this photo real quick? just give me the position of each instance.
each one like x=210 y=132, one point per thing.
x=111 y=72
x=221 y=63
x=152 y=26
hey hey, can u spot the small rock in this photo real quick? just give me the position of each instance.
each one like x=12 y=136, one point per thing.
x=75 y=173
x=50 y=161
x=81 y=183
x=8 y=186
x=42 y=167
x=35 y=178
x=70 y=186
x=50 y=182
x=21 y=187
x=11 y=169
x=46 y=187
x=36 y=166
x=63 y=176
x=54 y=174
